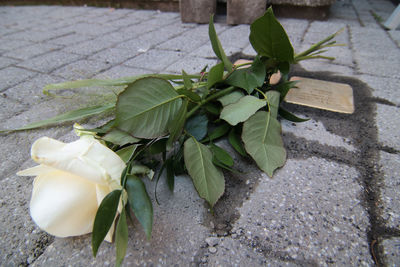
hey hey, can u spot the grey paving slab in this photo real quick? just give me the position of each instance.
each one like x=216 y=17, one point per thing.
x=30 y=92
x=81 y=69
x=304 y=211
x=11 y=76
x=390 y=168
x=9 y=44
x=69 y=39
x=191 y=65
x=6 y=61
x=90 y=29
x=384 y=88
x=391 y=251
x=395 y=35
x=315 y=131
x=120 y=71
x=49 y=61
x=326 y=65
x=31 y=51
x=387 y=120
x=112 y=56
x=155 y=60
x=37 y=35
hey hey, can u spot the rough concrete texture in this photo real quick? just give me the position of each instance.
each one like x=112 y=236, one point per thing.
x=334 y=203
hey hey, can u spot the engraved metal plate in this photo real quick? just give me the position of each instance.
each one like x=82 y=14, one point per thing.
x=337 y=97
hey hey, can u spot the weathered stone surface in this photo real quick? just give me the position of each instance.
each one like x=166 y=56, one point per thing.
x=311 y=3
x=391 y=251
x=244 y=12
x=198 y=11
x=297 y=214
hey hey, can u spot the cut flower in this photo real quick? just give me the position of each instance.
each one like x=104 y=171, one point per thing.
x=71 y=181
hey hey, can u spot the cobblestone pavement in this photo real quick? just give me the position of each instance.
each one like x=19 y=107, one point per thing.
x=334 y=203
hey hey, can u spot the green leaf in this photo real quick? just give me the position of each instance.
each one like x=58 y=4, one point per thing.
x=196 y=126
x=112 y=82
x=191 y=95
x=208 y=179
x=212 y=108
x=147 y=107
x=215 y=75
x=186 y=80
x=248 y=78
x=236 y=142
x=263 y=141
x=273 y=102
x=142 y=170
x=231 y=98
x=290 y=116
x=269 y=39
x=158 y=147
x=218 y=163
x=140 y=203
x=221 y=155
x=121 y=238
x=126 y=153
x=242 y=110
x=176 y=126
x=170 y=174
x=74 y=115
x=104 y=218
x=216 y=45
x=218 y=132
x=284 y=87
x=119 y=137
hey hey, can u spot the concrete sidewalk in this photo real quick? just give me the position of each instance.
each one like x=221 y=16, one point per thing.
x=334 y=203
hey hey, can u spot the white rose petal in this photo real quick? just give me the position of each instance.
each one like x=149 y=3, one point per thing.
x=71 y=181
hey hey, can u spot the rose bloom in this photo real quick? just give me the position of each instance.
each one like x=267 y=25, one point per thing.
x=71 y=181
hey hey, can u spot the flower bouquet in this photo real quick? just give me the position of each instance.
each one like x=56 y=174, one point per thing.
x=164 y=122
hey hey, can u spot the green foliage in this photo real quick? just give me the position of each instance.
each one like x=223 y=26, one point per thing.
x=146 y=108
x=208 y=179
x=172 y=121
x=140 y=202
x=263 y=141
x=104 y=218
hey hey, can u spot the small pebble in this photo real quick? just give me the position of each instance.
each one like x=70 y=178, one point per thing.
x=212 y=250
x=212 y=241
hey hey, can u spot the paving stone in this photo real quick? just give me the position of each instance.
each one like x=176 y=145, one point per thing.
x=249 y=50
x=70 y=39
x=390 y=168
x=121 y=71
x=315 y=131
x=85 y=28
x=9 y=44
x=38 y=36
x=395 y=36
x=89 y=47
x=82 y=69
x=305 y=211
x=177 y=245
x=190 y=40
x=206 y=51
x=154 y=59
x=112 y=56
x=237 y=36
x=11 y=76
x=34 y=50
x=6 y=61
x=50 y=61
x=387 y=121
x=231 y=252
x=391 y=251
x=384 y=88
x=191 y=65
x=326 y=65
x=30 y=92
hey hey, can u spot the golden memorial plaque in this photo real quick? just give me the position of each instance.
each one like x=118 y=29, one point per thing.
x=337 y=97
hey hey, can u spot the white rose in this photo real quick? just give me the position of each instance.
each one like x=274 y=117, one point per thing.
x=71 y=181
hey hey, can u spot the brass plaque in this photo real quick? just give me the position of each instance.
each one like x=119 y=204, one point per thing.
x=337 y=97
